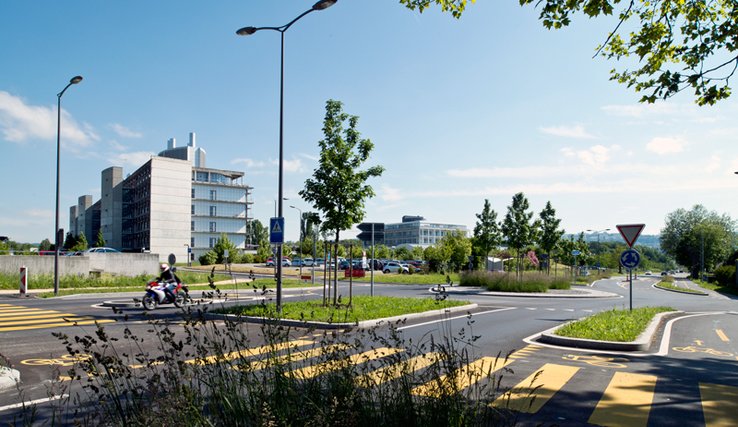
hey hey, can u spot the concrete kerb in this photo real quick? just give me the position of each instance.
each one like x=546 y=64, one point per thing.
x=642 y=343
x=583 y=292
x=8 y=377
x=352 y=325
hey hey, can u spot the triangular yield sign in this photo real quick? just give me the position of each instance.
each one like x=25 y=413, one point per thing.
x=630 y=232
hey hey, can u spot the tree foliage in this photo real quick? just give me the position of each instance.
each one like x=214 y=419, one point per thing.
x=690 y=235
x=516 y=227
x=100 y=241
x=549 y=233
x=487 y=234
x=678 y=44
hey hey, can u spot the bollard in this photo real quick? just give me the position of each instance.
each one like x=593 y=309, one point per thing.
x=23 y=281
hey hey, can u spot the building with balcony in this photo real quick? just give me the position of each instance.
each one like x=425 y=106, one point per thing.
x=416 y=231
x=170 y=205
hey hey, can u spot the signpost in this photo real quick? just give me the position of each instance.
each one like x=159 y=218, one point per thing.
x=630 y=258
x=575 y=252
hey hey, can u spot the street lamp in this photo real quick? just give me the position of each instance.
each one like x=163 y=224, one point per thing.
x=59 y=239
x=599 y=248
x=247 y=31
x=301 y=260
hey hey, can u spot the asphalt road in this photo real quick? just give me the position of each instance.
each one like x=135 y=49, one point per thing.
x=686 y=378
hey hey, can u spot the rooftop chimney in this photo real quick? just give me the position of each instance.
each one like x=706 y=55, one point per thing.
x=171 y=143
x=192 y=139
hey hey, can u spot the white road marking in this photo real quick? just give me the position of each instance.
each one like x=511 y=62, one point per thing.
x=454 y=318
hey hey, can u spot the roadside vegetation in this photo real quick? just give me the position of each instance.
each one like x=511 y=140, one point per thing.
x=506 y=282
x=219 y=373
x=361 y=308
x=612 y=325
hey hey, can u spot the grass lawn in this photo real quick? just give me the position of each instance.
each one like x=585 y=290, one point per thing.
x=362 y=308
x=717 y=288
x=673 y=287
x=612 y=325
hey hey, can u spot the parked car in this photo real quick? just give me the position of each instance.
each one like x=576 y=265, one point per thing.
x=395 y=267
x=307 y=262
x=101 y=250
x=285 y=262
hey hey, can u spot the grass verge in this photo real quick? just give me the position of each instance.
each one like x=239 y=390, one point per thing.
x=362 y=308
x=731 y=290
x=672 y=287
x=613 y=325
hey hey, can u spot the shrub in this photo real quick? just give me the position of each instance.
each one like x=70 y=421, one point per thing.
x=725 y=275
x=247 y=259
x=506 y=282
x=208 y=258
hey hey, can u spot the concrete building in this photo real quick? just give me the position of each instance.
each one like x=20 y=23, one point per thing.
x=416 y=231
x=171 y=204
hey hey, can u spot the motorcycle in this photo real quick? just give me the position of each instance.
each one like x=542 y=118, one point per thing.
x=156 y=295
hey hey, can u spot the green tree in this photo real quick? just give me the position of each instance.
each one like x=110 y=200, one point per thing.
x=487 y=234
x=678 y=44
x=690 y=236
x=402 y=253
x=224 y=244
x=45 y=245
x=80 y=243
x=338 y=188
x=458 y=247
x=549 y=233
x=100 y=242
x=259 y=232
x=69 y=241
x=516 y=227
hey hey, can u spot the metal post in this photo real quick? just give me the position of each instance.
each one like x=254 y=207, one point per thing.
x=371 y=287
x=630 y=273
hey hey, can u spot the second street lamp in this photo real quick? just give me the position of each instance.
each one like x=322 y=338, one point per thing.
x=59 y=240
x=247 y=31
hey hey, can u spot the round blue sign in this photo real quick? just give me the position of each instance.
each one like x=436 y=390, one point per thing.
x=630 y=258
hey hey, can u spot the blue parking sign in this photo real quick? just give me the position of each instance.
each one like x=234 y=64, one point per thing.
x=276 y=230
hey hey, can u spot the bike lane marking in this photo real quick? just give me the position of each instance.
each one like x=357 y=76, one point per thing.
x=464 y=377
x=721 y=335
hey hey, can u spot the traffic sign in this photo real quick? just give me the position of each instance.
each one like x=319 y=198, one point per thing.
x=576 y=252
x=276 y=230
x=630 y=258
x=630 y=232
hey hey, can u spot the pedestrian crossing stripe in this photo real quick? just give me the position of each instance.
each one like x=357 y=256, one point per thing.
x=19 y=318
x=533 y=392
x=464 y=377
x=396 y=370
x=626 y=402
x=719 y=404
x=333 y=365
x=525 y=351
x=249 y=352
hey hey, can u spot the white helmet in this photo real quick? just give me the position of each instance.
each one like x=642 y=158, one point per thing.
x=164 y=267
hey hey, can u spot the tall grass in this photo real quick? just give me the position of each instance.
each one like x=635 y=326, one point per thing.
x=506 y=282
x=46 y=281
x=219 y=374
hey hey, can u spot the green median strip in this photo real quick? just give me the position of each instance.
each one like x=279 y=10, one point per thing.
x=612 y=325
x=672 y=287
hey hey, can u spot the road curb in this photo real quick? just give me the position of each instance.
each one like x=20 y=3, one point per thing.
x=8 y=378
x=584 y=292
x=642 y=343
x=324 y=325
x=661 y=288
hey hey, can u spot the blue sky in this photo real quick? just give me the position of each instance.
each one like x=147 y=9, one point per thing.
x=459 y=110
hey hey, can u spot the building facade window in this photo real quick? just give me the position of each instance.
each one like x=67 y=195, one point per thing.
x=213 y=227
x=212 y=242
x=213 y=210
x=192 y=242
x=192 y=210
x=192 y=225
x=213 y=195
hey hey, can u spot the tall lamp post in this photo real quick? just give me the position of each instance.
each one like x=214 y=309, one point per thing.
x=599 y=248
x=247 y=31
x=59 y=239
x=301 y=257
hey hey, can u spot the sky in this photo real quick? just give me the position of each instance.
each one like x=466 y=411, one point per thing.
x=459 y=110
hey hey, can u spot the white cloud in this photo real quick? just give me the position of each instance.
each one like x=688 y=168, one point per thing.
x=20 y=122
x=510 y=172
x=249 y=163
x=713 y=165
x=641 y=110
x=390 y=194
x=294 y=165
x=576 y=131
x=596 y=155
x=134 y=160
x=666 y=145
x=124 y=132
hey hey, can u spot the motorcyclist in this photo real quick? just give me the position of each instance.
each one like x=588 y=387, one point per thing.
x=169 y=279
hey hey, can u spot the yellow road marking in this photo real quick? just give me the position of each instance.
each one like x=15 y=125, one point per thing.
x=355 y=359
x=525 y=351
x=626 y=401
x=17 y=308
x=394 y=371
x=719 y=404
x=464 y=377
x=39 y=321
x=249 y=352
x=53 y=325
x=46 y=315
x=722 y=335
x=533 y=392
x=292 y=357
x=698 y=343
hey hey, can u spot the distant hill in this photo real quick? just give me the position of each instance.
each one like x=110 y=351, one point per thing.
x=651 y=241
